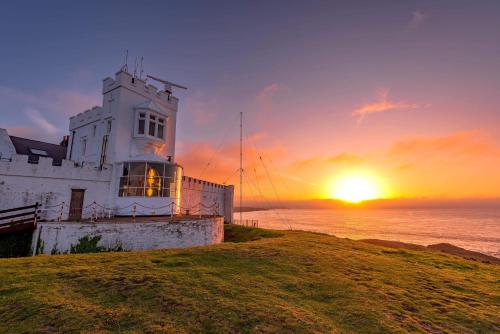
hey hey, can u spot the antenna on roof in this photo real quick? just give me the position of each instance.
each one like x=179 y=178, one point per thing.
x=125 y=66
x=135 y=67
x=141 y=71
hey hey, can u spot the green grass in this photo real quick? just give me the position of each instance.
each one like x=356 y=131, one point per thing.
x=236 y=233
x=289 y=282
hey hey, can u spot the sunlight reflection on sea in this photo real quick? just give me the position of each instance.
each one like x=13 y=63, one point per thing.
x=472 y=229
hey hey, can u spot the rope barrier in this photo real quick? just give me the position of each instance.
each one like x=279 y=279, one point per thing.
x=95 y=210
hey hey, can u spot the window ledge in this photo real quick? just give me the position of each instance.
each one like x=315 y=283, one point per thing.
x=148 y=138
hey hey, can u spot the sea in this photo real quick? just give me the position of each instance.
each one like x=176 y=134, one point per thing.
x=472 y=229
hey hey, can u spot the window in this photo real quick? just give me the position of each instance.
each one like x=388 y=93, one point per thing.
x=84 y=146
x=142 y=123
x=152 y=123
x=108 y=129
x=42 y=153
x=161 y=127
x=94 y=130
x=150 y=179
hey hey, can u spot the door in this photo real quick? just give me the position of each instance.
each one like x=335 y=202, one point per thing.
x=76 y=204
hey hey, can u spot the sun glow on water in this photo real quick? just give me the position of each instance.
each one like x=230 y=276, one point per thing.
x=355 y=188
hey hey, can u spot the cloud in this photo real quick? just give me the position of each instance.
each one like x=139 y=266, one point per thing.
x=344 y=158
x=267 y=92
x=382 y=104
x=456 y=165
x=417 y=19
x=218 y=163
x=459 y=144
x=48 y=111
x=202 y=108
x=265 y=100
x=60 y=101
x=27 y=132
x=40 y=121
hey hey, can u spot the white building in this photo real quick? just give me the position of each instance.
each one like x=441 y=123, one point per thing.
x=118 y=159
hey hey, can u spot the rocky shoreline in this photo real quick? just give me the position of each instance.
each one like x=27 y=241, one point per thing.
x=439 y=248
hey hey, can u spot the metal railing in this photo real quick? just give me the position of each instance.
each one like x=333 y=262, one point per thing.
x=18 y=219
x=246 y=222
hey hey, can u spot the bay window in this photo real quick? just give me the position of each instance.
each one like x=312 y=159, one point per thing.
x=150 y=179
x=150 y=124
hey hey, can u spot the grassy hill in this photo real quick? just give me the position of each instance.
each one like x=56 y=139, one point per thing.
x=290 y=282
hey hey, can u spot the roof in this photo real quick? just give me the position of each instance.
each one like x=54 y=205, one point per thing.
x=39 y=148
x=149 y=104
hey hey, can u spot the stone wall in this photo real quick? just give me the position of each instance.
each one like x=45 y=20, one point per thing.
x=22 y=183
x=55 y=238
x=214 y=198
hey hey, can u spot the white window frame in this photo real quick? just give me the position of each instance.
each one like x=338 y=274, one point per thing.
x=147 y=121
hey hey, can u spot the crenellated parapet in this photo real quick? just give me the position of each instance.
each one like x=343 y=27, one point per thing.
x=148 y=91
x=86 y=117
x=19 y=166
x=202 y=184
x=211 y=196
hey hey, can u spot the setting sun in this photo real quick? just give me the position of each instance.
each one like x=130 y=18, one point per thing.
x=355 y=188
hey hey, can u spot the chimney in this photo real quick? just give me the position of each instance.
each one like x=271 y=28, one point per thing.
x=64 y=141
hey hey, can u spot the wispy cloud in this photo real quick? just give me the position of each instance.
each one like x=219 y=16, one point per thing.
x=265 y=99
x=40 y=121
x=48 y=111
x=417 y=19
x=466 y=144
x=382 y=104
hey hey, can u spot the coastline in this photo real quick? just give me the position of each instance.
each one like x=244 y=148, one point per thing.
x=437 y=248
x=471 y=230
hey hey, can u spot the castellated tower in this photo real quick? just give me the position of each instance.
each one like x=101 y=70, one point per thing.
x=119 y=159
x=134 y=134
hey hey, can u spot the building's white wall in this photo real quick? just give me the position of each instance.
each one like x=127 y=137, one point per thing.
x=214 y=198
x=59 y=237
x=229 y=204
x=22 y=183
x=120 y=98
x=7 y=149
x=82 y=126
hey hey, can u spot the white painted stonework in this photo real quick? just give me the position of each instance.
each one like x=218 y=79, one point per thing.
x=24 y=184
x=104 y=143
x=52 y=237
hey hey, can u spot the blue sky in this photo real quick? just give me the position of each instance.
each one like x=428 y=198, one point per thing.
x=299 y=70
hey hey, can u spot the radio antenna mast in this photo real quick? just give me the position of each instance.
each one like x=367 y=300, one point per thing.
x=141 y=71
x=135 y=68
x=125 y=65
x=241 y=167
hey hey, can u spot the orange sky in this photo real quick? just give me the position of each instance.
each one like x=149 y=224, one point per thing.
x=454 y=165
